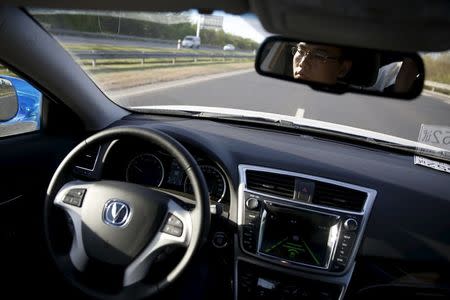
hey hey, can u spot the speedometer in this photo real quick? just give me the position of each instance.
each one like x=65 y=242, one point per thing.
x=145 y=169
x=215 y=181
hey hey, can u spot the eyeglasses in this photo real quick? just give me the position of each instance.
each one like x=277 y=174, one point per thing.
x=317 y=56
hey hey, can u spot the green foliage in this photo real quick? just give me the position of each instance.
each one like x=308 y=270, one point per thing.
x=139 y=28
x=220 y=38
x=111 y=25
x=437 y=67
x=6 y=71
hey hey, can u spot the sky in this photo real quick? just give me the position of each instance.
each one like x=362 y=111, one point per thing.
x=247 y=26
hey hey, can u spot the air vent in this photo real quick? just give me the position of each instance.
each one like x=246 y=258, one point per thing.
x=331 y=195
x=88 y=158
x=271 y=183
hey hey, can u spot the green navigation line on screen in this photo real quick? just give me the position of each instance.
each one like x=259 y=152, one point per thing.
x=276 y=245
x=310 y=252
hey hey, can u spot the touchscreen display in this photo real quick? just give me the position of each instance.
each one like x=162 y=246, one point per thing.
x=299 y=236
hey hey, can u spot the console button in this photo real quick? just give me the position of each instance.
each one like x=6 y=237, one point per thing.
x=341 y=260
x=337 y=267
x=248 y=237
x=249 y=245
x=304 y=190
x=251 y=218
x=343 y=251
x=351 y=224
x=252 y=203
x=248 y=230
x=348 y=238
x=347 y=244
x=220 y=240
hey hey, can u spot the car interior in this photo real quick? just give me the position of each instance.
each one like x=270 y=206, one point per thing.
x=106 y=202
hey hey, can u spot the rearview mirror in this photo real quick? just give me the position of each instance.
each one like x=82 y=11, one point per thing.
x=340 y=69
x=8 y=100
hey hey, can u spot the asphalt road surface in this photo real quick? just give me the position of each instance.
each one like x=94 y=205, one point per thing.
x=253 y=92
x=16 y=128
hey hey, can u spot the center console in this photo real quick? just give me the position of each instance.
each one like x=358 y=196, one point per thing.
x=300 y=222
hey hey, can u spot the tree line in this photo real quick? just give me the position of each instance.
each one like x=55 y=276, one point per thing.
x=140 y=28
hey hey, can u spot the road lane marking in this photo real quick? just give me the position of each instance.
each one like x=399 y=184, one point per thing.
x=171 y=84
x=300 y=112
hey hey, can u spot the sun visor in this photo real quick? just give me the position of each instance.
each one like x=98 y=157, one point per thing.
x=404 y=25
x=206 y=6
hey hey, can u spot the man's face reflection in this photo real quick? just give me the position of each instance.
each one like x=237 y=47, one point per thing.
x=319 y=63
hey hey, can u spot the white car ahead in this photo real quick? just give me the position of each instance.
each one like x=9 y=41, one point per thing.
x=229 y=47
x=191 y=41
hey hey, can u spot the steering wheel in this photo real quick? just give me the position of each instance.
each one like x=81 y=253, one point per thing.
x=123 y=225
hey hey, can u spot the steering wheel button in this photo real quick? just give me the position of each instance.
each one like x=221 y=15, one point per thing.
x=75 y=197
x=78 y=193
x=68 y=199
x=174 y=221
x=172 y=230
x=76 y=202
x=177 y=231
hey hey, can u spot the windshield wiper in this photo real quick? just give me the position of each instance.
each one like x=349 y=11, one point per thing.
x=182 y=113
x=441 y=155
x=252 y=119
x=215 y=116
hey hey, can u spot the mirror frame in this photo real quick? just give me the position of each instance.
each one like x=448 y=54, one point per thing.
x=414 y=93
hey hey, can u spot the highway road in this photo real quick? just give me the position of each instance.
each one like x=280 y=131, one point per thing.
x=16 y=128
x=248 y=90
x=139 y=43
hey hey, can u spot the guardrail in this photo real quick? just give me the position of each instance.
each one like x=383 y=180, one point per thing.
x=437 y=87
x=94 y=55
x=109 y=36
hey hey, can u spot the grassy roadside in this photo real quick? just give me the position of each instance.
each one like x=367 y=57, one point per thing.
x=7 y=72
x=114 y=81
x=437 y=67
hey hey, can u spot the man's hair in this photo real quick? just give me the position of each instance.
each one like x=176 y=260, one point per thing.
x=346 y=52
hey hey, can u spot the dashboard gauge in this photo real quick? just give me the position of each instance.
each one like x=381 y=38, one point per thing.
x=145 y=169
x=215 y=181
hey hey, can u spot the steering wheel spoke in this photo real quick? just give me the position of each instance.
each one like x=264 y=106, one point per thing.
x=70 y=199
x=176 y=230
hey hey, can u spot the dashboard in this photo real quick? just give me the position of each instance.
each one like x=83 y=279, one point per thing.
x=304 y=214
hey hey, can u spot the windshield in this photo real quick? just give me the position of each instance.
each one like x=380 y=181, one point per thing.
x=140 y=60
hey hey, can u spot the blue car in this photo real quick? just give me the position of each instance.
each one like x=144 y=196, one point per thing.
x=29 y=99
